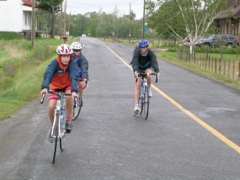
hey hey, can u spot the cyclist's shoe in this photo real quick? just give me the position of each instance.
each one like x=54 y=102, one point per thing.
x=50 y=138
x=150 y=92
x=136 y=108
x=68 y=126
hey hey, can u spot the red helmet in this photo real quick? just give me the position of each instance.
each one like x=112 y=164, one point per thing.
x=64 y=49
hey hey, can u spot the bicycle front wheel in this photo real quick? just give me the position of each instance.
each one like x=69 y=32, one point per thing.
x=146 y=102
x=62 y=142
x=76 y=110
x=55 y=135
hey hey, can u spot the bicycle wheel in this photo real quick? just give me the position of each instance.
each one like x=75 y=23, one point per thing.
x=146 y=102
x=62 y=142
x=76 y=110
x=55 y=135
x=141 y=102
x=62 y=137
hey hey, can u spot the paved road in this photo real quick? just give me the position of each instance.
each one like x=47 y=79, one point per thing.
x=193 y=129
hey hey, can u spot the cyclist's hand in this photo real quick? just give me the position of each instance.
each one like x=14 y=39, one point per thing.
x=74 y=94
x=44 y=90
x=136 y=74
x=158 y=75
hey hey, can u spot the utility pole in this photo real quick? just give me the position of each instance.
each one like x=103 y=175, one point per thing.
x=33 y=22
x=64 y=27
x=130 y=22
x=143 y=21
x=60 y=29
x=69 y=22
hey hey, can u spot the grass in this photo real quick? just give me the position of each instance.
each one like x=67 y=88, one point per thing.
x=9 y=36
x=31 y=62
x=24 y=90
x=171 y=58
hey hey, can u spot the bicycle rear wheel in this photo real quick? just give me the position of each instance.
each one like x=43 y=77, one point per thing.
x=146 y=102
x=76 y=110
x=55 y=136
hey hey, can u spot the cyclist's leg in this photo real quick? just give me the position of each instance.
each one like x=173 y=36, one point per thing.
x=149 y=78
x=136 y=94
x=51 y=107
x=137 y=89
x=80 y=87
x=69 y=108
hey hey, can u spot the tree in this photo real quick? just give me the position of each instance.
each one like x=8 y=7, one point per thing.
x=190 y=17
x=52 y=6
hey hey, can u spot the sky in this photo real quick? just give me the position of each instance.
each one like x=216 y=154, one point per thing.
x=82 y=7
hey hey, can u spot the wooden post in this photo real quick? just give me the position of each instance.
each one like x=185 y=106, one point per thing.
x=60 y=29
x=233 y=69
x=215 y=65
x=238 y=70
x=229 y=67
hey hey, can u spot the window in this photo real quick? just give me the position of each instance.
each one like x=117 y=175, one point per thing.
x=224 y=36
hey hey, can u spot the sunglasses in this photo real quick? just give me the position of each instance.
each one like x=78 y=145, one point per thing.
x=76 y=50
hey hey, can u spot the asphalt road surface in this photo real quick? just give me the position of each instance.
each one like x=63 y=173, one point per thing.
x=192 y=132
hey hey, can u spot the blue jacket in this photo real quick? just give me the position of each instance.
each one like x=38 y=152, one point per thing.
x=58 y=76
x=82 y=64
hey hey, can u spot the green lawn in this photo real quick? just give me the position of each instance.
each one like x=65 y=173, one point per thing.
x=171 y=57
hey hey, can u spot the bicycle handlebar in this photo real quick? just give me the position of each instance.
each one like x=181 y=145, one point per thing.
x=56 y=93
x=147 y=74
x=42 y=98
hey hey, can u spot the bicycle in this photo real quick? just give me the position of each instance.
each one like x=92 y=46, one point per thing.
x=78 y=105
x=58 y=130
x=144 y=93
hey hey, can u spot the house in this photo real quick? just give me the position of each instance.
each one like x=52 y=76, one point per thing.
x=228 y=22
x=16 y=16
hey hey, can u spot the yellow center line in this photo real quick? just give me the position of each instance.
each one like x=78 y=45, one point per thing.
x=191 y=115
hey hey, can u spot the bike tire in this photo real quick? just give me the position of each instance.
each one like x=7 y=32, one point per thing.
x=146 y=102
x=141 y=103
x=55 y=136
x=76 y=111
x=61 y=143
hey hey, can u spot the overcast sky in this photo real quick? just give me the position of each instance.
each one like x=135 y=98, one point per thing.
x=82 y=7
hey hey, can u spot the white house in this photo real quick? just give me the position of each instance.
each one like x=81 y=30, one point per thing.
x=15 y=16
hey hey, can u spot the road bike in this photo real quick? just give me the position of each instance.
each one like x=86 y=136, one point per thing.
x=58 y=129
x=78 y=105
x=144 y=99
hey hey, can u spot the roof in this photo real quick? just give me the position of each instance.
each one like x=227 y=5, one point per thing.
x=229 y=12
x=29 y=3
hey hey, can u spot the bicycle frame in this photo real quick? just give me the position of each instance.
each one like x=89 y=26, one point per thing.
x=60 y=105
x=142 y=91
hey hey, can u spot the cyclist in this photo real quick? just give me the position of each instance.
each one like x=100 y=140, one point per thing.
x=61 y=74
x=144 y=59
x=82 y=64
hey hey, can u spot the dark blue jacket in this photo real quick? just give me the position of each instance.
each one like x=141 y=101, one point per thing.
x=58 y=76
x=82 y=64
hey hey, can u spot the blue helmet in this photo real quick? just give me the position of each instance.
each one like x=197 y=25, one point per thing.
x=143 y=43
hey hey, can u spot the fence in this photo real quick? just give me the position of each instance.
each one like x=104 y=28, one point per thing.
x=228 y=68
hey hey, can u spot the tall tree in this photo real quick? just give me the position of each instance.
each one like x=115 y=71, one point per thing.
x=191 y=17
x=52 y=6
